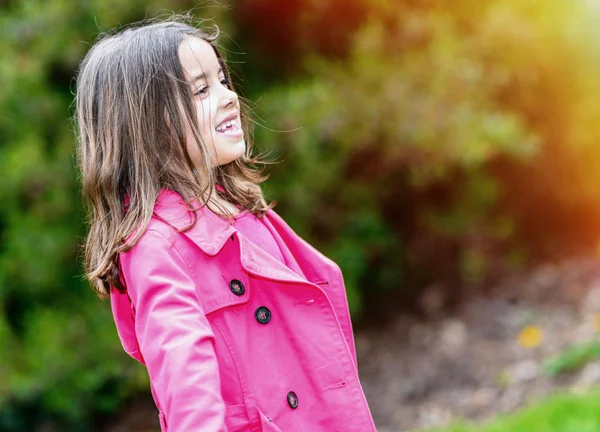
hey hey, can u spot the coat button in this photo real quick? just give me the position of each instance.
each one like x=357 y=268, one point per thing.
x=236 y=287
x=292 y=400
x=263 y=315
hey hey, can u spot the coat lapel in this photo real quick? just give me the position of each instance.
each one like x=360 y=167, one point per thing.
x=211 y=232
x=261 y=263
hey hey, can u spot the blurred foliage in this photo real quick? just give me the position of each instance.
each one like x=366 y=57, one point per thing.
x=421 y=143
x=448 y=144
x=573 y=358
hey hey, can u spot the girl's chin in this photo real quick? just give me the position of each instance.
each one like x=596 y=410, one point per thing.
x=231 y=151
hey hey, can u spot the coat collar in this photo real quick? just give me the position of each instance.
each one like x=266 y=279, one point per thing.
x=211 y=232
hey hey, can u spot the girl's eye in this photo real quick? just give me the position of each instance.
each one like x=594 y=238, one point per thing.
x=204 y=90
x=201 y=91
x=226 y=83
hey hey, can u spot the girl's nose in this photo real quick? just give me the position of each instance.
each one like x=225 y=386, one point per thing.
x=229 y=97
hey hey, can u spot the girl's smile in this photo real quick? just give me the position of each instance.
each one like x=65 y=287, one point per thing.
x=231 y=126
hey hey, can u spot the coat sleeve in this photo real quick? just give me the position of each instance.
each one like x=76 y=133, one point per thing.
x=174 y=336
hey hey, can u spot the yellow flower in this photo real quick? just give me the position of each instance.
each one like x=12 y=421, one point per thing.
x=597 y=322
x=530 y=336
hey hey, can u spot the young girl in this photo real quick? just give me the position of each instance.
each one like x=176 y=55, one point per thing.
x=241 y=324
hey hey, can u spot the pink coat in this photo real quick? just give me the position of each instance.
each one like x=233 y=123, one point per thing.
x=233 y=339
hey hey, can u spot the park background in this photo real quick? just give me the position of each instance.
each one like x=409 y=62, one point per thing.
x=445 y=154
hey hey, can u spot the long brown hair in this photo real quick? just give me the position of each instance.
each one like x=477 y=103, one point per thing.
x=133 y=106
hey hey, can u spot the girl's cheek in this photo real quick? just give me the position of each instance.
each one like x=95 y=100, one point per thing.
x=204 y=120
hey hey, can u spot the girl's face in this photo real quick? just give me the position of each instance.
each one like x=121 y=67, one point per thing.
x=217 y=105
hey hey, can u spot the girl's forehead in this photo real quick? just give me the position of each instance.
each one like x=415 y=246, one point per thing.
x=198 y=58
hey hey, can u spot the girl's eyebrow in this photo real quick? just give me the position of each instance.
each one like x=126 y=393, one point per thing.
x=203 y=75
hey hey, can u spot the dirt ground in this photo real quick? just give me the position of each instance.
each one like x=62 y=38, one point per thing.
x=425 y=372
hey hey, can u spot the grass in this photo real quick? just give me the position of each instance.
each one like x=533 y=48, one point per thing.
x=573 y=358
x=560 y=413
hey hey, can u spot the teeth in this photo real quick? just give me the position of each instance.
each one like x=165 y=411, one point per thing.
x=225 y=125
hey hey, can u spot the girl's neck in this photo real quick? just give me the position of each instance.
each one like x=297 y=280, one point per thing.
x=217 y=201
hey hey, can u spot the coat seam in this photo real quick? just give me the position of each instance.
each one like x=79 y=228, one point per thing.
x=172 y=243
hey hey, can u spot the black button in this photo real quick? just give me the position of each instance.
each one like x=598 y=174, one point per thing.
x=263 y=315
x=237 y=287
x=292 y=400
